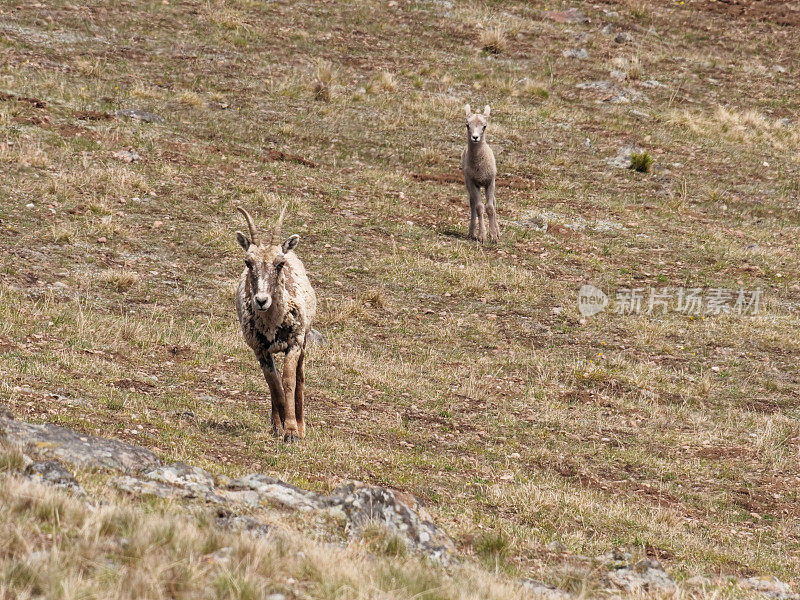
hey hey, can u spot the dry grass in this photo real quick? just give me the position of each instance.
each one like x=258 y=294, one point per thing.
x=54 y=547
x=458 y=372
x=324 y=82
x=493 y=40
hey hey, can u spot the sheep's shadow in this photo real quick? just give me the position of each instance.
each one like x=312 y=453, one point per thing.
x=454 y=232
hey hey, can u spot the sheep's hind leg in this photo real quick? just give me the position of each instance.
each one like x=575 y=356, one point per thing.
x=491 y=212
x=290 y=431
x=275 y=391
x=299 y=395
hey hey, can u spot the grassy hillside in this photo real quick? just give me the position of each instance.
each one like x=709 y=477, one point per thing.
x=458 y=372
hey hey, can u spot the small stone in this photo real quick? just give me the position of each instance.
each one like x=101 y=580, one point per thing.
x=618 y=75
x=219 y=557
x=623 y=37
x=769 y=587
x=139 y=115
x=543 y=590
x=276 y=597
x=101 y=240
x=579 y=53
x=126 y=156
x=49 y=472
x=30 y=205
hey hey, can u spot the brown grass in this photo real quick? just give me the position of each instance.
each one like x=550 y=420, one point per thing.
x=459 y=372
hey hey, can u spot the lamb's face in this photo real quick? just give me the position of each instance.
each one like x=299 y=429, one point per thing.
x=476 y=125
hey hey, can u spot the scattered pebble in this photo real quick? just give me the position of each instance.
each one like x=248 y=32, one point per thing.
x=579 y=53
x=126 y=156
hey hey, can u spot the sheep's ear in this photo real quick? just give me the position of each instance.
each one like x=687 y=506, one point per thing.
x=244 y=242
x=467 y=109
x=486 y=110
x=290 y=244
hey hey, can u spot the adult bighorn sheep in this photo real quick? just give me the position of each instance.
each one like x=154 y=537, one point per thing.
x=276 y=305
x=477 y=162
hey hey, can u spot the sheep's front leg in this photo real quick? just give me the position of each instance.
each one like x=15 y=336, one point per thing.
x=298 y=395
x=275 y=390
x=474 y=205
x=290 y=431
x=494 y=230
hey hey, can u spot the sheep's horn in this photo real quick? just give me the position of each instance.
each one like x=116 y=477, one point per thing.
x=276 y=231
x=250 y=226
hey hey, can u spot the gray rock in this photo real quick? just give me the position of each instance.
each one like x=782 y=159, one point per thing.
x=623 y=37
x=556 y=546
x=608 y=29
x=652 y=83
x=148 y=487
x=126 y=156
x=399 y=512
x=355 y=503
x=271 y=490
x=50 y=472
x=769 y=587
x=219 y=557
x=241 y=523
x=644 y=576
x=603 y=86
x=84 y=451
x=276 y=597
x=139 y=115
x=193 y=479
x=618 y=75
x=579 y=53
x=543 y=590
x=316 y=338
x=623 y=159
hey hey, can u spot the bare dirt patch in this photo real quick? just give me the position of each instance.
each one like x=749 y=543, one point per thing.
x=782 y=12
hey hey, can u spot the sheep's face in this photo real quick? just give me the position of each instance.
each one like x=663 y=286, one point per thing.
x=265 y=269
x=476 y=124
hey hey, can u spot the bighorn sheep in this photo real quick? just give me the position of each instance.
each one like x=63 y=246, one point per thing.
x=477 y=162
x=276 y=305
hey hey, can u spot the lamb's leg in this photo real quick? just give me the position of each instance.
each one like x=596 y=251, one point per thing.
x=298 y=395
x=481 y=222
x=494 y=230
x=275 y=390
x=290 y=432
x=474 y=200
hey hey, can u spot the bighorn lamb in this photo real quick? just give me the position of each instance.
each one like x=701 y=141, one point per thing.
x=276 y=305
x=477 y=162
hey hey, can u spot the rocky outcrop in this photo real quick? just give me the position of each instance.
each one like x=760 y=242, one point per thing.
x=85 y=451
x=143 y=474
x=357 y=504
x=400 y=513
x=52 y=473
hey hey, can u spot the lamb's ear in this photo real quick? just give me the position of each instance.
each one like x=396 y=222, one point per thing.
x=486 y=110
x=290 y=244
x=244 y=242
x=467 y=109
